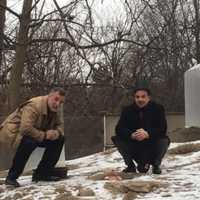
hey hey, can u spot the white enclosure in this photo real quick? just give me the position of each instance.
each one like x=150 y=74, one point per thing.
x=192 y=96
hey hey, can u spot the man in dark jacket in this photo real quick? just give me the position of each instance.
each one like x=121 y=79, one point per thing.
x=141 y=133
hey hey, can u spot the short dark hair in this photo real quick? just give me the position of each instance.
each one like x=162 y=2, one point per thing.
x=142 y=89
x=60 y=90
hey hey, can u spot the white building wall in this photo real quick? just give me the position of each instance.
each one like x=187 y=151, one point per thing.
x=192 y=96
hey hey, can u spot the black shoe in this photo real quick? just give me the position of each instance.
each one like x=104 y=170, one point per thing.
x=143 y=168
x=38 y=177
x=131 y=169
x=60 y=172
x=156 y=169
x=12 y=182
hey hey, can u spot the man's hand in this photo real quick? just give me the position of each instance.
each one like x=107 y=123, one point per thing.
x=52 y=135
x=140 y=134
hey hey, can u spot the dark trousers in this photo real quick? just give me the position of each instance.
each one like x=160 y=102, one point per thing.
x=27 y=146
x=142 y=152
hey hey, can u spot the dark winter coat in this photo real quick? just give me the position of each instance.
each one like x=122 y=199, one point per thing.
x=151 y=118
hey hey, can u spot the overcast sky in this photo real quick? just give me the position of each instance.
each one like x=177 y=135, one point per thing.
x=104 y=10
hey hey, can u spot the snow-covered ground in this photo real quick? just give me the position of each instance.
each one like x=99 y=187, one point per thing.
x=181 y=174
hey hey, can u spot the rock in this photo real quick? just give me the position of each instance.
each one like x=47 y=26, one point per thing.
x=129 y=175
x=113 y=178
x=73 y=166
x=26 y=189
x=86 y=192
x=61 y=189
x=1 y=189
x=185 y=148
x=98 y=176
x=133 y=186
x=185 y=134
x=113 y=175
x=101 y=175
x=143 y=186
x=115 y=187
x=80 y=198
x=32 y=187
x=111 y=172
x=130 y=196
x=64 y=196
x=48 y=191
x=18 y=195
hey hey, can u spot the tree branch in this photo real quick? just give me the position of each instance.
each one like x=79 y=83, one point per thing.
x=10 y=10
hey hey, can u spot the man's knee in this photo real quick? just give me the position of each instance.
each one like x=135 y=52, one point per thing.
x=61 y=139
x=160 y=148
x=28 y=141
x=123 y=146
x=163 y=142
x=118 y=142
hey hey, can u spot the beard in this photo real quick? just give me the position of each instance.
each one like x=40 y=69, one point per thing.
x=141 y=103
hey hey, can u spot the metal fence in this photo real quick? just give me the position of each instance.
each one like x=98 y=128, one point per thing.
x=85 y=135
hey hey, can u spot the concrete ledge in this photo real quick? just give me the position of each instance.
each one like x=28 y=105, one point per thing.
x=36 y=157
x=6 y=159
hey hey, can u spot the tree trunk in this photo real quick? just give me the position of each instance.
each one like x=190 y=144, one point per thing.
x=2 y=25
x=197 y=29
x=21 y=47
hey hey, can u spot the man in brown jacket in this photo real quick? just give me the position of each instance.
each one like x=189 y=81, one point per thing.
x=35 y=123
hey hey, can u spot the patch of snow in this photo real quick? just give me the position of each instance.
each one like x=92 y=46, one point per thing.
x=180 y=172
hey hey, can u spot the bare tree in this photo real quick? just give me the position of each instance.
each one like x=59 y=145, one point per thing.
x=21 y=47
x=155 y=42
x=2 y=25
x=197 y=29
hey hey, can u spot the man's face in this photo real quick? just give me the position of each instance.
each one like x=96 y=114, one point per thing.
x=141 y=98
x=54 y=101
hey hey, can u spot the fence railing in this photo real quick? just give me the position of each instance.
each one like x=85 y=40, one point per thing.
x=85 y=135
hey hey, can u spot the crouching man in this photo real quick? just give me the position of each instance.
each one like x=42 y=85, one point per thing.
x=35 y=123
x=141 y=134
